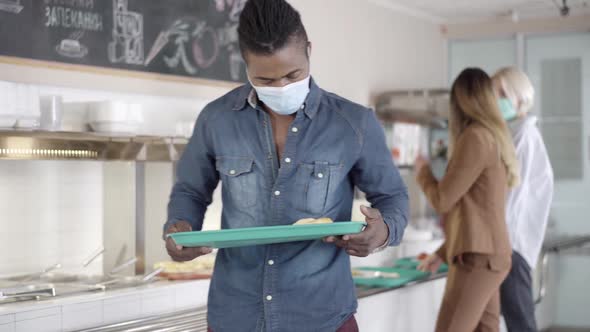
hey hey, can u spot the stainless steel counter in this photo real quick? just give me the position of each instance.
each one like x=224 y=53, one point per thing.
x=196 y=319
x=186 y=320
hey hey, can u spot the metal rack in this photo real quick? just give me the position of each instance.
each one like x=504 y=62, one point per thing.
x=44 y=145
x=90 y=146
x=428 y=107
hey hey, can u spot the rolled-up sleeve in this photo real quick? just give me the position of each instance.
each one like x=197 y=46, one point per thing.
x=375 y=174
x=196 y=178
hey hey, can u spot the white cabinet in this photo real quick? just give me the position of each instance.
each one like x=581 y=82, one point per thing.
x=414 y=308
x=7 y=327
x=46 y=320
x=122 y=308
x=82 y=315
x=7 y=323
x=157 y=302
x=6 y=319
x=75 y=314
x=189 y=296
x=45 y=324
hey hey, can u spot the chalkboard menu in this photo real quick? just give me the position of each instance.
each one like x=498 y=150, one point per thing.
x=190 y=38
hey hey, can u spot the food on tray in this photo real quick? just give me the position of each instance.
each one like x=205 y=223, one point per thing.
x=203 y=264
x=311 y=221
x=356 y=273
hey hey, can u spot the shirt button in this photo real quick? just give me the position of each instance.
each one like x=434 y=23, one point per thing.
x=269 y=298
x=271 y=262
x=320 y=175
x=277 y=193
x=287 y=160
x=303 y=106
x=232 y=172
x=294 y=129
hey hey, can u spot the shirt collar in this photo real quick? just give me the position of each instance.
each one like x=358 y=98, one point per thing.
x=247 y=95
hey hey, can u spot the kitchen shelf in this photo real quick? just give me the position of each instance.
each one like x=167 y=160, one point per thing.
x=45 y=145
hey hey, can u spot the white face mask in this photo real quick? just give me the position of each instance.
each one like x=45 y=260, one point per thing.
x=284 y=100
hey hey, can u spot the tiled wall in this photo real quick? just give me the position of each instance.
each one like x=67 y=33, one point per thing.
x=158 y=185
x=50 y=212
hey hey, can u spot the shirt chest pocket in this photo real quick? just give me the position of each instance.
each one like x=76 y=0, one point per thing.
x=313 y=186
x=238 y=179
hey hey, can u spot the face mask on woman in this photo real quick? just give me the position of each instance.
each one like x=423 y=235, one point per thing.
x=507 y=110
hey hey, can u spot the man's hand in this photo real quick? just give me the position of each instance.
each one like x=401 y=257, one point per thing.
x=431 y=264
x=178 y=253
x=374 y=236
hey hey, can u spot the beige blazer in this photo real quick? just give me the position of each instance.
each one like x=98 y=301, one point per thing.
x=471 y=198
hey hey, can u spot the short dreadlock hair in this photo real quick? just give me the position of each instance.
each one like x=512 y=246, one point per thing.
x=267 y=26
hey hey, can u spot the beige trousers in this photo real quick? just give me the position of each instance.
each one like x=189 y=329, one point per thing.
x=472 y=299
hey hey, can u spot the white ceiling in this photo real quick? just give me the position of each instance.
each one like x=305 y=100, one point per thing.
x=455 y=11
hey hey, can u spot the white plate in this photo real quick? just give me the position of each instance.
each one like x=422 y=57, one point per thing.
x=80 y=127
x=27 y=123
x=115 y=111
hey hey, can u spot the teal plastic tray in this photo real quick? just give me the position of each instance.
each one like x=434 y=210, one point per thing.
x=412 y=263
x=405 y=276
x=242 y=237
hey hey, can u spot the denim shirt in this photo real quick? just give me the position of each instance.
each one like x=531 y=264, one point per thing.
x=332 y=146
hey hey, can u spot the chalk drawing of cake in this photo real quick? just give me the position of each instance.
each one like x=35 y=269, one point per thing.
x=71 y=48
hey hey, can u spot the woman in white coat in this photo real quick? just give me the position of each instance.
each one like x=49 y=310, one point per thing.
x=527 y=206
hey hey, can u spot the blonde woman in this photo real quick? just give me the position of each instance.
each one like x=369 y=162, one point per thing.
x=471 y=197
x=527 y=207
